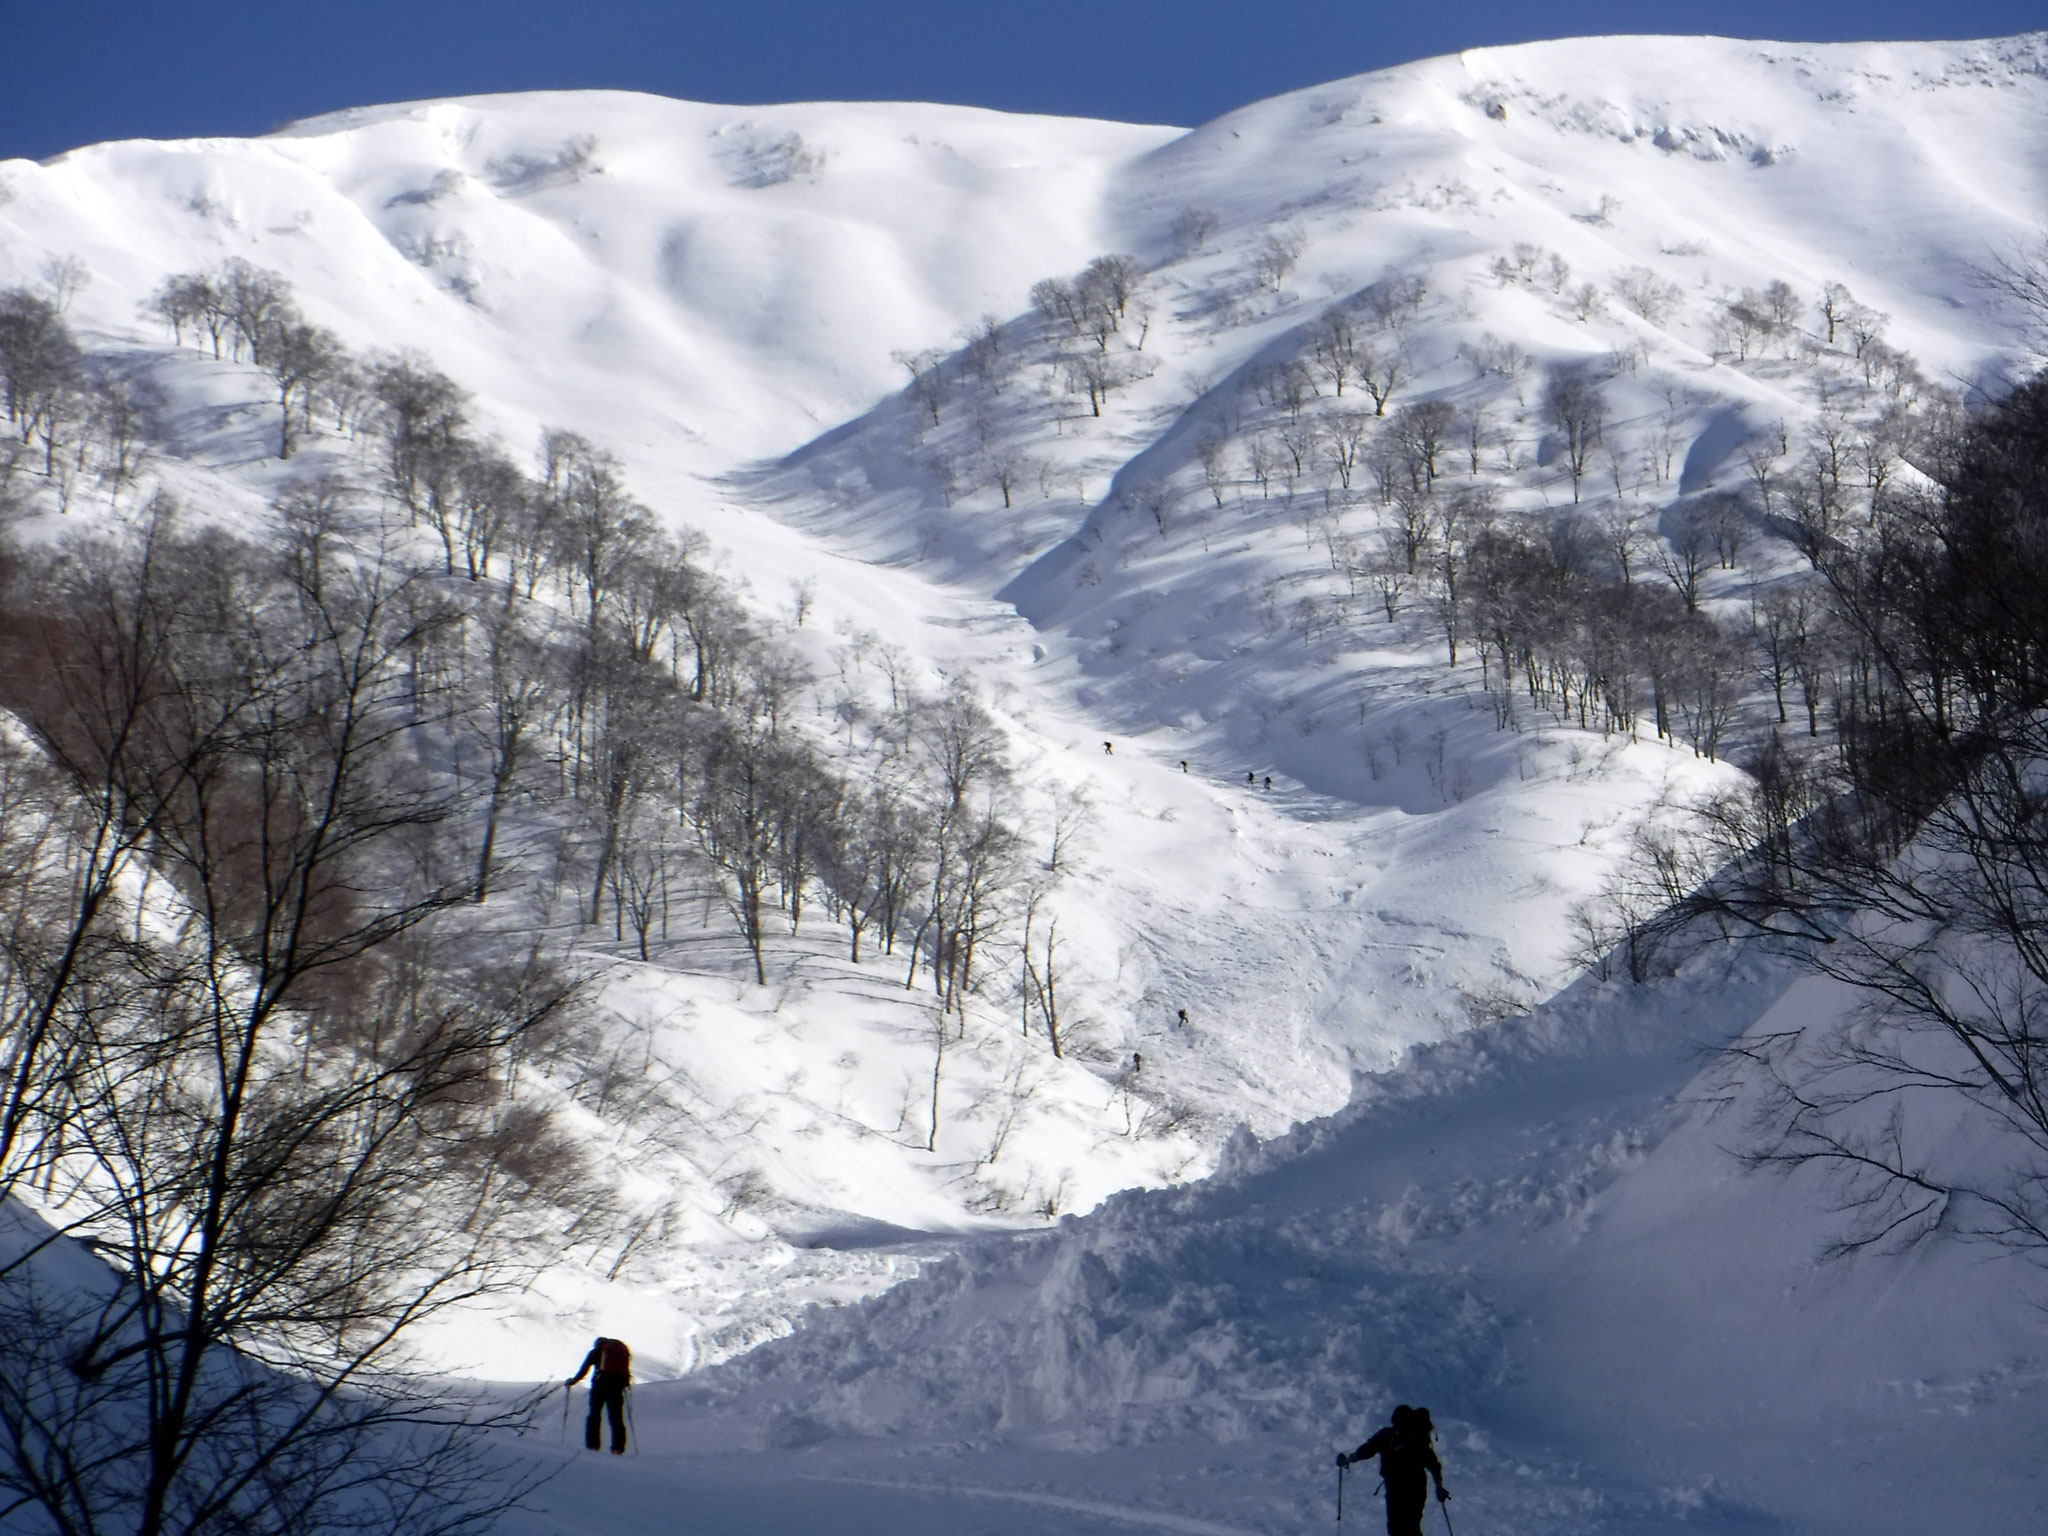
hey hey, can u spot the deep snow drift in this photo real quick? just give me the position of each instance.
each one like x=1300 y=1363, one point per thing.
x=717 y=294
x=1537 y=1228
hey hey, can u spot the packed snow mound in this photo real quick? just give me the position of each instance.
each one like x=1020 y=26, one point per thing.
x=1537 y=1230
x=1303 y=824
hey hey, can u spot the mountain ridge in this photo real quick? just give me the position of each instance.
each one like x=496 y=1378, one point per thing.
x=714 y=293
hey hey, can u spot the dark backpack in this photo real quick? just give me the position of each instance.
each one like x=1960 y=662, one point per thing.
x=613 y=1357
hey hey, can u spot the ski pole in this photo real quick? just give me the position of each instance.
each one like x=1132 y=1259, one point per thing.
x=1444 y=1504
x=565 y=1415
x=1341 y=1465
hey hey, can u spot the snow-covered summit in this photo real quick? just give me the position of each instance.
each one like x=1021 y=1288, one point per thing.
x=715 y=282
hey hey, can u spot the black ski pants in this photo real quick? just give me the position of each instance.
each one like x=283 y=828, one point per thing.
x=1405 y=1511
x=607 y=1396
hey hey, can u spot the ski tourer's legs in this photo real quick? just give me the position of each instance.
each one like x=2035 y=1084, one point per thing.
x=616 y=1411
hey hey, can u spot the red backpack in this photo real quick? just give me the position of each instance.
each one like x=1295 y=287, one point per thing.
x=613 y=1356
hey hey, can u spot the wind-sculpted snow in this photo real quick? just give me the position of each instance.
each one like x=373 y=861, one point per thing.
x=1296 y=1289
x=1535 y=1229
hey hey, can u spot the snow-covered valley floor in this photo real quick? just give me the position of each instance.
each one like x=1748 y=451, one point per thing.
x=1537 y=1229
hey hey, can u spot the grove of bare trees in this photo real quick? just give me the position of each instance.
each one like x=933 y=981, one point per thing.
x=267 y=1047
x=1903 y=856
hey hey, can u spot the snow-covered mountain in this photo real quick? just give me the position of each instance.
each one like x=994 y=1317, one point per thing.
x=1300 y=823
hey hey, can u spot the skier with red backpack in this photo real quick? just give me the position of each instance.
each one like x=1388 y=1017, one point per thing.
x=610 y=1366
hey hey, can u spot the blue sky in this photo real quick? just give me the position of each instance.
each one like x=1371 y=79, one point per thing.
x=76 y=71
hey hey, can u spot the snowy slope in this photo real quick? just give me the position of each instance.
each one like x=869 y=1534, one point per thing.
x=691 y=292
x=1536 y=1229
x=701 y=284
x=716 y=294
x=1176 y=621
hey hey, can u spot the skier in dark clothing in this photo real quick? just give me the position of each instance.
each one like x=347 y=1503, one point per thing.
x=1407 y=1462
x=610 y=1366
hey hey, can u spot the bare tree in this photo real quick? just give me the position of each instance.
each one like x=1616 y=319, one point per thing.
x=1059 y=303
x=41 y=372
x=1707 y=684
x=424 y=414
x=1345 y=436
x=1644 y=293
x=1192 y=230
x=1685 y=553
x=1110 y=282
x=120 y=431
x=1623 y=536
x=1575 y=408
x=1760 y=456
x=1335 y=343
x=1424 y=432
x=1746 y=323
x=1411 y=527
x=1833 y=306
x=267 y=1093
x=1728 y=523
x=1276 y=255
x=985 y=355
x=1212 y=452
x=1381 y=371
x=734 y=819
x=1460 y=521
x=522 y=694
x=603 y=532
x=1388 y=568
x=1783 y=619
x=873 y=858
x=297 y=356
x=2021 y=276
x=255 y=298
x=66 y=277
x=1866 y=326
x=1817 y=518
x=1097 y=375
x=929 y=385
x=1394 y=301
x=1042 y=971
x=195 y=299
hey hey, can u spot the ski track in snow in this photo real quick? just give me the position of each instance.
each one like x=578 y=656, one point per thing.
x=1122 y=1515
x=1533 y=1226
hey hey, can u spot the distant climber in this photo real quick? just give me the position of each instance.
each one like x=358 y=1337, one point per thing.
x=1251 y=776
x=1183 y=765
x=611 y=1366
x=1183 y=1020
x=1269 y=781
x=1407 y=1462
x=1109 y=749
